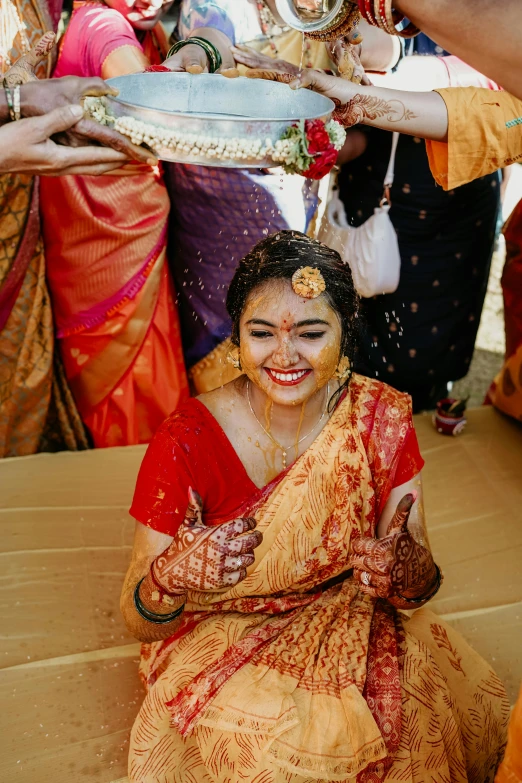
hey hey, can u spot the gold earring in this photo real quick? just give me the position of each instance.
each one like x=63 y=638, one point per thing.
x=233 y=358
x=343 y=369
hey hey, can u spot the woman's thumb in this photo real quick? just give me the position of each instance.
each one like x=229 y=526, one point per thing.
x=195 y=60
x=194 y=513
x=399 y=521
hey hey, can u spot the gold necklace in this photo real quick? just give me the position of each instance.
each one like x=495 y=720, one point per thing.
x=284 y=449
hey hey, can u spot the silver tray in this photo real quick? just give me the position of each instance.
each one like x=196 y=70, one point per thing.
x=217 y=107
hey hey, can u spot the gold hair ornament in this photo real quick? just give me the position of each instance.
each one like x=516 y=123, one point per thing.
x=343 y=369
x=233 y=358
x=308 y=282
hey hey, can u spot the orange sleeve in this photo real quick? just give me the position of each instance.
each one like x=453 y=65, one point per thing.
x=484 y=134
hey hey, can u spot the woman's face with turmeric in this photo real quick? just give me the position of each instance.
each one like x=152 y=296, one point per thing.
x=289 y=346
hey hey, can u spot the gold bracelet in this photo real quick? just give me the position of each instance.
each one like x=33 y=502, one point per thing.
x=16 y=103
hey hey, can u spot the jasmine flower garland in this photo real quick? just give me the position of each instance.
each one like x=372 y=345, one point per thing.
x=308 y=148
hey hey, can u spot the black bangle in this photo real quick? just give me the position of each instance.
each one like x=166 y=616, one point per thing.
x=433 y=593
x=213 y=54
x=152 y=617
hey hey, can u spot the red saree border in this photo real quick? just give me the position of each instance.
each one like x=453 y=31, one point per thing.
x=88 y=319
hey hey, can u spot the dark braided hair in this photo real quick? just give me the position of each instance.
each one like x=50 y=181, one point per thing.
x=277 y=258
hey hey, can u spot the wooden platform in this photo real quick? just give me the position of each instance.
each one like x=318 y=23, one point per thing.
x=68 y=678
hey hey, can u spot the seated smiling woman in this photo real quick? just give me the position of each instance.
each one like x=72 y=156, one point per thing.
x=276 y=651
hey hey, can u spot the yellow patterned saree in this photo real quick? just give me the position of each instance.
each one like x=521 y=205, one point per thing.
x=295 y=675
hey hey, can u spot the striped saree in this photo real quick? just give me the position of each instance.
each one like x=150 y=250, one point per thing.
x=113 y=299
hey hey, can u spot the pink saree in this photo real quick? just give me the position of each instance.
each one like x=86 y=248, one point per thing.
x=114 y=302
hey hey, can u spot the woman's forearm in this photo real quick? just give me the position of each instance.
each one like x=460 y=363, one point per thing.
x=422 y=114
x=142 y=629
x=485 y=34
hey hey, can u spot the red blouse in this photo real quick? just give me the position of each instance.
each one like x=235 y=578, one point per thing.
x=190 y=449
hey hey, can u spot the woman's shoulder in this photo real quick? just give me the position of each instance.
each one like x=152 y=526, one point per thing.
x=186 y=420
x=93 y=33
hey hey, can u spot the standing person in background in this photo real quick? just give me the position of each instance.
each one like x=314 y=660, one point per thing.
x=422 y=336
x=113 y=299
x=37 y=411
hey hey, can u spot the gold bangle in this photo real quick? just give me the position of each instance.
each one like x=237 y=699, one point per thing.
x=16 y=103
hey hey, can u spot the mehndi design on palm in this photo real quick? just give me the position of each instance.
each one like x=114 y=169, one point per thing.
x=23 y=70
x=394 y=566
x=205 y=558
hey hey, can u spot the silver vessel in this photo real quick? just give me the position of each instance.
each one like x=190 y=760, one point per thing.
x=311 y=16
x=214 y=106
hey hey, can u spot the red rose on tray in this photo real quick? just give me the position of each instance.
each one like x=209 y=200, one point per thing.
x=157 y=69
x=322 y=165
x=317 y=136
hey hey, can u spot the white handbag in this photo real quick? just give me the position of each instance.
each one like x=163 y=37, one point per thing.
x=371 y=250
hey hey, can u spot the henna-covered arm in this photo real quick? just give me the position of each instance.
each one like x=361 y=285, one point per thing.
x=198 y=558
x=148 y=544
x=421 y=114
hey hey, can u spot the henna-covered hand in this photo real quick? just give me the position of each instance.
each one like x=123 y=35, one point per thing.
x=23 y=70
x=205 y=558
x=395 y=566
x=346 y=54
x=339 y=90
x=271 y=76
x=262 y=62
